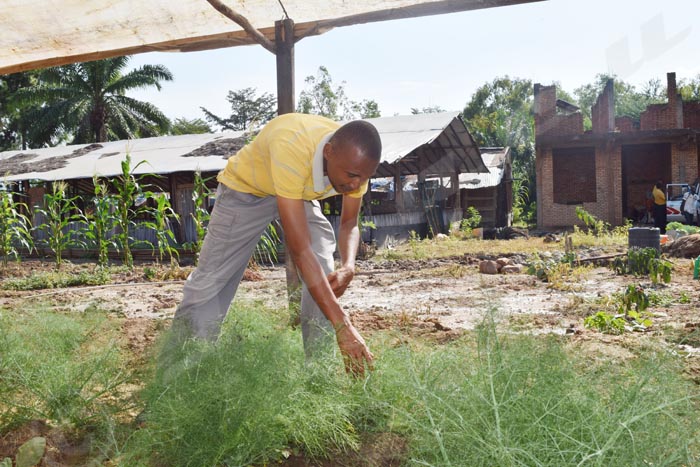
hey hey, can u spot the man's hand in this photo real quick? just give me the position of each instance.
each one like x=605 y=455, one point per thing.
x=355 y=351
x=340 y=279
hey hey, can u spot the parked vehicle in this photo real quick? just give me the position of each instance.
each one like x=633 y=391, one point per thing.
x=674 y=198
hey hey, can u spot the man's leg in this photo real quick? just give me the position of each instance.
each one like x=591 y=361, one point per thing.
x=235 y=227
x=315 y=328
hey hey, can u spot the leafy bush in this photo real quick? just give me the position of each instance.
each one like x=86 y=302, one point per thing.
x=688 y=229
x=471 y=220
x=631 y=305
x=644 y=261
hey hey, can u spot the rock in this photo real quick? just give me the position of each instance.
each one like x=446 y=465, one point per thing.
x=503 y=262
x=512 y=269
x=488 y=267
x=551 y=238
x=683 y=247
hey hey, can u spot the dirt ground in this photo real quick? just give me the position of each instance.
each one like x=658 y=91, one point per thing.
x=440 y=298
x=446 y=295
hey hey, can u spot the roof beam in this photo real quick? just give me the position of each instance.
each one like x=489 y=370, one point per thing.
x=243 y=22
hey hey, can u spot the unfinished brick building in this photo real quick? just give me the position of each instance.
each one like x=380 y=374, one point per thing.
x=609 y=169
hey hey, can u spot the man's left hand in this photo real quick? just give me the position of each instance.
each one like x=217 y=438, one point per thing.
x=340 y=279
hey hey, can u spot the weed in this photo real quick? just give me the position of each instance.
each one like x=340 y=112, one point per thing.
x=58 y=279
x=471 y=220
x=630 y=313
x=415 y=244
x=606 y=323
x=644 y=261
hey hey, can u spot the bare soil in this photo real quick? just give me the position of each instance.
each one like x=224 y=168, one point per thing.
x=440 y=299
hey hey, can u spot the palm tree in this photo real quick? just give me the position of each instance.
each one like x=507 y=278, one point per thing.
x=88 y=100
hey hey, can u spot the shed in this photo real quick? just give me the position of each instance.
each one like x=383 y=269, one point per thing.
x=491 y=193
x=424 y=154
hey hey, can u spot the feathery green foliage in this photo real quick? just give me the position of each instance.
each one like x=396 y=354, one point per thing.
x=496 y=400
x=57 y=367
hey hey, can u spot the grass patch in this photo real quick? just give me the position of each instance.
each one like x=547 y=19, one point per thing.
x=454 y=246
x=484 y=400
x=57 y=279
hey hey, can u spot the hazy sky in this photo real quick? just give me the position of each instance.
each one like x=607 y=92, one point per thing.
x=441 y=60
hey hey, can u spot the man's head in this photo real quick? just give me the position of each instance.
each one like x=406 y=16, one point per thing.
x=352 y=155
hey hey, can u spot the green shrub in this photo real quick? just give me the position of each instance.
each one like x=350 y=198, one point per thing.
x=492 y=400
x=58 y=368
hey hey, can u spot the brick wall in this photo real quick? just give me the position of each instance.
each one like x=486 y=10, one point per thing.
x=691 y=114
x=684 y=162
x=680 y=161
x=547 y=122
x=657 y=117
x=603 y=111
x=608 y=190
x=624 y=124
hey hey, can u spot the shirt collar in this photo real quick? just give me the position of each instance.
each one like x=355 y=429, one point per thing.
x=321 y=181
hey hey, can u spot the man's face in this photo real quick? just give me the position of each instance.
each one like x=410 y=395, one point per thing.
x=347 y=167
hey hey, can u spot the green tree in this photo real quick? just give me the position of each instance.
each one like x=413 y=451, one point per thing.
x=17 y=123
x=323 y=97
x=690 y=89
x=433 y=109
x=90 y=102
x=195 y=126
x=368 y=108
x=628 y=101
x=247 y=109
x=500 y=114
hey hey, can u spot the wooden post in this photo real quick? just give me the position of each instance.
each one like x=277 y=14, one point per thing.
x=398 y=190
x=284 y=47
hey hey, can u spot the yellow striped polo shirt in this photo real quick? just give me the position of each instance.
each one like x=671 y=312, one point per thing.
x=285 y=159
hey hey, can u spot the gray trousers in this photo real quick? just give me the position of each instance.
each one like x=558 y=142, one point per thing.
x=236 y=225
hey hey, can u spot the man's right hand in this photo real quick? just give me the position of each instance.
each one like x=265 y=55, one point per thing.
x=354 y=350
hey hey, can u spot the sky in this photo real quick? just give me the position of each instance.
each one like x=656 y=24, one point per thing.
x=442 y=60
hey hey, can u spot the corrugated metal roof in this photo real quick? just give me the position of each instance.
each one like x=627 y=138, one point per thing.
x=495 y=159
x=404 y=133
x=163 y=155
x=41 y=33
x=403 y=137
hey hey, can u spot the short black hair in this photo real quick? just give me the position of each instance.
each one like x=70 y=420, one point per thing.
x=362 y=135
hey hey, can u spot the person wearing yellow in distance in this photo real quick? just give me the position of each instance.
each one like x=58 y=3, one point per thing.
x=295 y=160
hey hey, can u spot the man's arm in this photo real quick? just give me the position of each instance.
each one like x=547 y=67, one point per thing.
x=348 y=240
x=296 y=233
